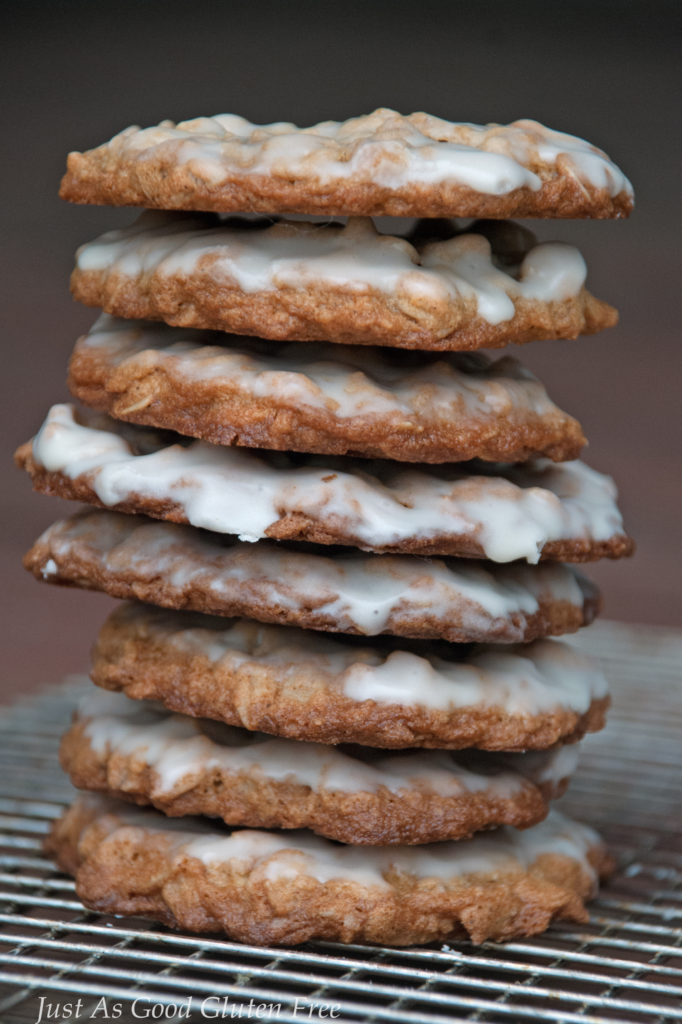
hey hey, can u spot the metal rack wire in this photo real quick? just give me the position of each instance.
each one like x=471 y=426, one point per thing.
x=626 y=965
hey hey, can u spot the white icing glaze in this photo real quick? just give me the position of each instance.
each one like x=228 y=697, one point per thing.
x=354 y=259
x=280 y=856
x=384 y=148
x=178 y=752
x=49 y=569
x=530 y=679
x=358 y=592
x=511 y=515
x=339 y=379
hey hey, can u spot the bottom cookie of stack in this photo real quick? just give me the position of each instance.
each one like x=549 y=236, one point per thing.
x=269 y=887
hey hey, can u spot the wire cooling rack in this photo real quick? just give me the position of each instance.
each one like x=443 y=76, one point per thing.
x=61 y=962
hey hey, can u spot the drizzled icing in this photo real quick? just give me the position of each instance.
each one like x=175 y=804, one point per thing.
x=339 y=379
x=354 y=258
x=278 y=856
x=511 y=515
x=178 y=751
x=384 y=148
x=49 y=569
x=355 y=592
x=524 y=680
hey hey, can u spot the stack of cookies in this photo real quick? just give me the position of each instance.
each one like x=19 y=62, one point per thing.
x=343 y=534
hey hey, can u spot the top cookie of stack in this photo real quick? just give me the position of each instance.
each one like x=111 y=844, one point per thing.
x=381 y=164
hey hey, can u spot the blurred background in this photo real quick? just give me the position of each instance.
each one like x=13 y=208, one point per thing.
x=76 y=73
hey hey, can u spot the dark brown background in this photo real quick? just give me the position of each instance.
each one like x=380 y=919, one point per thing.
x=75 y=73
